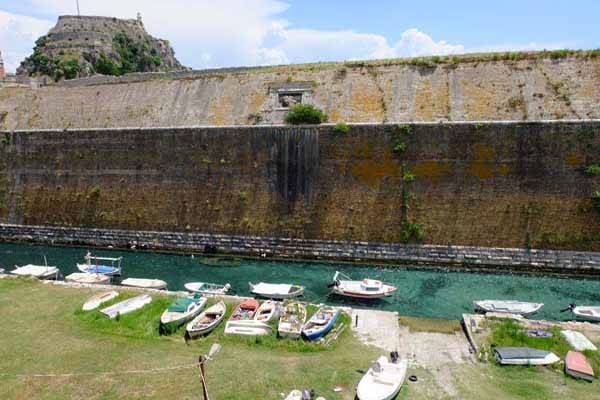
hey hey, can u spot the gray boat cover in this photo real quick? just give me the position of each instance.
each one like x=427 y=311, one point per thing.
x=508 y=353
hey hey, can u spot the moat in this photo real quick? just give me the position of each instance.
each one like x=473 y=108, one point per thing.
x=421 y=293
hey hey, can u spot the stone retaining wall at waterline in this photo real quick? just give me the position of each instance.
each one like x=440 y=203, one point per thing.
x=452 y=257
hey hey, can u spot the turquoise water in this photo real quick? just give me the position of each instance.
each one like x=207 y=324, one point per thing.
x=421 y=293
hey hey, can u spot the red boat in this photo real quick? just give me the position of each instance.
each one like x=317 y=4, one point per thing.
x=577 y=366
x=245 y=310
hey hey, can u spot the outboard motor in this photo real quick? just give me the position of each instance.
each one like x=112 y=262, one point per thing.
x=394 y=357
x=570 y=308
x=308 y=394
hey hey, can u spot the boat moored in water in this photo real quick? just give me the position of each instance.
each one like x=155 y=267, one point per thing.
x=127 y=306
x=588 y=313
x=207 y=321
x=207 y=288
x=145 y=283
x=182 y=310
x=320 y=323
x=101 y=265
x=292 y=319
x=277 y=291
x=383 y=380
x=37 y=271
x=507 y=307
x=98 y=299
x=524 y=356
x=87 y=278
x=343 y=285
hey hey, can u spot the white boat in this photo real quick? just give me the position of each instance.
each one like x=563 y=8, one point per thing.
x=578 y=340
x=1 y=270
x=507 y=307
x=207 y=288
x=277 y=291
x=587 y=312
x=268 y=311
x=98 y=299
x=208 y=320
x=383 y=380
x=294 y=395
x=524 y=356
x=320 y=323
x=247 y=327
x=84 y=277
x=126 y=306
x=343 y=285
x=182 y=310
x=101 y=265
x=292 y=320
x=37 y=271
x=145 y=283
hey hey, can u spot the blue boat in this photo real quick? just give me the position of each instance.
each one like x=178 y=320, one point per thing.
x=320 y=323
x=98 y=265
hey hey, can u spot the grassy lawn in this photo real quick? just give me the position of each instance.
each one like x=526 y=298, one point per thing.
x=44 y=332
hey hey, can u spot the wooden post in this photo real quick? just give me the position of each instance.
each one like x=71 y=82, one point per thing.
x=202 y=378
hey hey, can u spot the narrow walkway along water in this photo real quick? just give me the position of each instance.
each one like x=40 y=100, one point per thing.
x=421 y=293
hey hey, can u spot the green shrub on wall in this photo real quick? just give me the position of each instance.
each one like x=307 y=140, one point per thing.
x=592 y=170
x=341 y=128
x=411 y=232
x=305 y=114
x=596 y=201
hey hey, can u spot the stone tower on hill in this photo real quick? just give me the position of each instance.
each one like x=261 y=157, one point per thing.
x=2 y=71
x=84 y=46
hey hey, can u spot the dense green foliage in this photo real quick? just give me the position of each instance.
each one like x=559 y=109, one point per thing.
x=341 y=128
x=592 y=170
x=596 y=201
x=411 y=232
x=136 y=56
x=304 y=114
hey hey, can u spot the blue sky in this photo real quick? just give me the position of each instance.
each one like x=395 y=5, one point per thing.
x=209 y=33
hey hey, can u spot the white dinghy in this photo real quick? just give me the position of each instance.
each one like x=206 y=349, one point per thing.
x=268 y=311
x=1 y=270
x=90 y=279
x=207 y=288
x=37 y=271
x=343 y=285
x=588 y=313
x=383 y=380
x=507 y=307
x=524 y=356
x=98 y=299
x=127 y=306
x=292 y=319
x=247 y=327
x=145 y=283
x=182 y=310
x=206 y=321
x=277 y=291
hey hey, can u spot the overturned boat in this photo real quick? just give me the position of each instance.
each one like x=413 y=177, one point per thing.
x=207 y=288
x=98 y=299
x=578 y=367
x=87 y=278
x=101 y=265
x=126 y=306
x=507 y=307
x=383 y=380
x=182 y=310
x=37 y=271
x=207 y=321
x=292 y=319
x=524 y=356
x=343 y=285
x=145 y=283
x=277 y=291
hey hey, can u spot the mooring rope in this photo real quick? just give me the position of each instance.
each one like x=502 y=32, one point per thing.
x=135 y=371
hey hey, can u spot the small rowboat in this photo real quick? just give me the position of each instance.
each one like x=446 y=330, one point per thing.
x=320 y=323
x=587 y=313
x=507 y=307
x=206 y=321
x=277 y=291
x=207 y=288
x=37 y=271
x=145 y=283
x=84 y=277
x=524 y=356
x=578 y=340
x=98 y=299
x=577 y=366
x=366 y=289
x=127 y=306
x=242 y=320
x=1 y=270
x=383 y=380
x=245 y=310
x=290 y=323
x=182 y=310
x=268 y=311
x=93 y=264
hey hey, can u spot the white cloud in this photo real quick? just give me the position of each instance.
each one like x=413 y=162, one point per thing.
x=17 y=36
x=414 y=43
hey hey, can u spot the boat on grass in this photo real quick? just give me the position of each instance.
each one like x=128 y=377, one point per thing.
x=145 y=283
x=588 y=313
x=268 y=311
x=578 y=340
x=207 y=288
x=37 y=271
x=524 y=356
x=1 y=270
x=127 y=306
x=87 y=278
x=320 y=323
x=577 y=366
x=277 y=291
x=242 y=320
x=101 y=265
x=98 y=299
x=182 y=310
x=343 y=285
x=507 y=307
x=292 y=319
x=383 y=380
x=207 y=321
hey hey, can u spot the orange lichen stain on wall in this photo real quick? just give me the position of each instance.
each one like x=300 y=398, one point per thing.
x=481 y=167
x=477 y=99
x=366 y=102
x=433 y=170
x=372 y=172
x=503 y=169
x=573 y=160
x=431 y=100
x=221 y=110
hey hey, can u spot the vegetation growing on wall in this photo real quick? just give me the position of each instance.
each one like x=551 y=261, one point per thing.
x=305 y=114
x=596 y=201
x=40 y=63
x=592 y=170
x=341 y=128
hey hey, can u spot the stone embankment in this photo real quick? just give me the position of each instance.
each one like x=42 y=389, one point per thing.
x=452 y=257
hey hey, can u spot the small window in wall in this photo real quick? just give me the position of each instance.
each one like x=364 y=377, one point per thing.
x=289 y=99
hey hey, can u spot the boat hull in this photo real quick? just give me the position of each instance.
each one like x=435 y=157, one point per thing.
x=218 y=310
x=507 y=307
x=383 y=385
x=247 y=328
x=212 y=289
x=145 y=283
x=89 y=279
x=314 y=334
x=276 y=291
x=99 y=269
x=359 y=295
x=171 y=319
x=97 y=300
x=126 y=306
x=37 y=271
x=587 y=313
